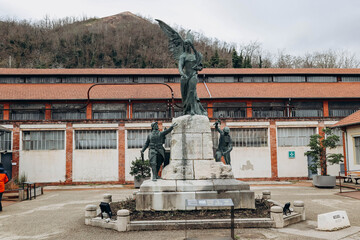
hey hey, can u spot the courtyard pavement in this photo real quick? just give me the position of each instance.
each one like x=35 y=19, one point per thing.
x=59 y=214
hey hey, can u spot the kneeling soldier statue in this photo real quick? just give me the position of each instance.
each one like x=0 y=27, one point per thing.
x=155 y=142
x=225 y=144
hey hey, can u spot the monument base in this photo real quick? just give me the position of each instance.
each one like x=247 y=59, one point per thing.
x=193 y=172
x=167 y=195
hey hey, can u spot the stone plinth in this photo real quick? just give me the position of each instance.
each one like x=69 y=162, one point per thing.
x=166 y=195
x=192 y=151
x=192 y=172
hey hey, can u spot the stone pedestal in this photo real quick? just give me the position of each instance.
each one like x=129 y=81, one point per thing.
x=192 y=151
x=193 y=172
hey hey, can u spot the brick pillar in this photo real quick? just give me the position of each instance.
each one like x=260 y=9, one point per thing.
x=160 y=125
x=326 y=108
x=273 y=150
x=6 y=115
x=129 y=110
x=122 y=147
x=16 y=149
x=89 y=111
x=344 y=150
x=248 y=109
x=69 y=152
x=47 y=111
x=210 y=110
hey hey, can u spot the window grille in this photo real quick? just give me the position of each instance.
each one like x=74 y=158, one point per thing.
x=338 y=132
x=27 y=111
x=81 y=79
x=357 y=150
x=249 y=137
x=151 y=110
x=255 y=79
x=95 y=139
x=68 y=111
x=109 y=110
x=43 y=140
x=5 y=141
x=294 y=137
x=350 y=79
x=229 y=110
x=321 y=79
x=289 y=78
x=137 y=138
x=115 y=79
x=343 y=109
x=220 y=79
x=172 y=79
x=307 y=109
x=46 y=79
x=4 y=79
x=151 y=79
x=178 y=111
x=1 y=111
x=268 y=109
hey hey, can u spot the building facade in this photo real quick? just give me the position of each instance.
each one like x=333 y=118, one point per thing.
x=78 y=126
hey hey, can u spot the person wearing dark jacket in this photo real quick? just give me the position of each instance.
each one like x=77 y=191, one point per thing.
x=3 y=179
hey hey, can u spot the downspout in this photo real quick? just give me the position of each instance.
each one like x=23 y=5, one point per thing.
x=347 y=153
x=207 y=89
x=129 y=109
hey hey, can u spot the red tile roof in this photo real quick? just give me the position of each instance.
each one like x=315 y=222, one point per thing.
x=352 y=119
x=158 y=91
x=174 y=71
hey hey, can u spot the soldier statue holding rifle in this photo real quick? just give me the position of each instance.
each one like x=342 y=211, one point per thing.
x=225 y=144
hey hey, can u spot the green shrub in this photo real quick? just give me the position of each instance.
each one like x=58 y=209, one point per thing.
x=140 y=169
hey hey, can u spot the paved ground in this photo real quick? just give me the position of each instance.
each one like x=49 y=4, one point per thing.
x=59 y=214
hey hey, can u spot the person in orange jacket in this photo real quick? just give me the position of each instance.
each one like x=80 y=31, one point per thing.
x=3 y=179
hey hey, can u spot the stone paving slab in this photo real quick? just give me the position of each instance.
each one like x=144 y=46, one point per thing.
x=354 y=194
x=79 y=187
x=308 y=229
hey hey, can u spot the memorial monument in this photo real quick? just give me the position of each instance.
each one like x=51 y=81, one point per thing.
x=192 y=172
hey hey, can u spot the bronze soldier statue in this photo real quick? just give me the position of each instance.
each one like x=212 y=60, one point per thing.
x=225 y=144
x=155 y=142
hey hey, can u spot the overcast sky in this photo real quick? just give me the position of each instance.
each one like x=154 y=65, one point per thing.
x=296 y=26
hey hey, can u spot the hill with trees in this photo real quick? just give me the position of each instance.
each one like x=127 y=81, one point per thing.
x=126 y=40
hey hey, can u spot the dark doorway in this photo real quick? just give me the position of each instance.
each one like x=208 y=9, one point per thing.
x=6 y=161
x=310 y=171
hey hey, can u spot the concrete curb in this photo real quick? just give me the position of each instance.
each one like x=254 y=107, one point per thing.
x=123 y=223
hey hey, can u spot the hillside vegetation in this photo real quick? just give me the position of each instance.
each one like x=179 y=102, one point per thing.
x=129 y=41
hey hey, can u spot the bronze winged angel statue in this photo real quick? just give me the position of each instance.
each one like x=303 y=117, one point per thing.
x=189 y=65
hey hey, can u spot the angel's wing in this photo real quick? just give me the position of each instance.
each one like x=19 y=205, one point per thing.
x=175 y=40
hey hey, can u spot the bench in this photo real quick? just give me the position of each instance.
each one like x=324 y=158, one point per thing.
x=27 y=192
x=350 y=179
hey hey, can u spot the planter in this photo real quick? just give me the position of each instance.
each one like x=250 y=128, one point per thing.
x=324 y=181
x=137 y=183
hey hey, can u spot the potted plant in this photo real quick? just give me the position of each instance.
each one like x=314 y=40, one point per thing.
x=318 y=145
x=140 y=169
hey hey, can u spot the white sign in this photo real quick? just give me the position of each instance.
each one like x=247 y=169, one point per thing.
x=333 y=221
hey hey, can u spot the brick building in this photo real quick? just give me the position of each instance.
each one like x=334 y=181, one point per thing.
x=62 y=132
